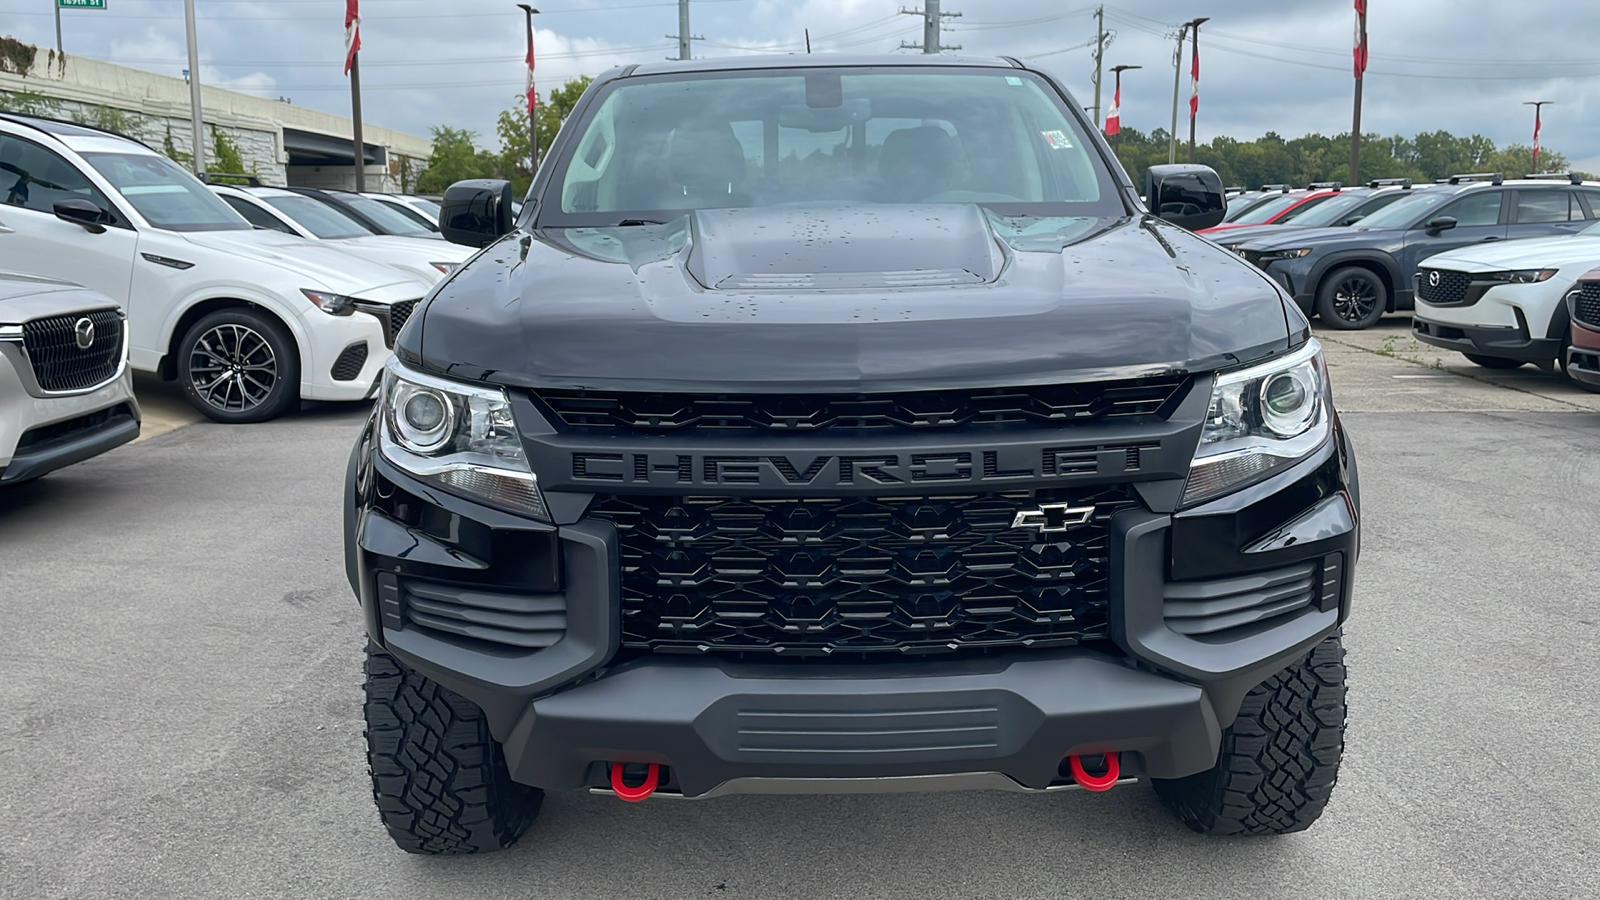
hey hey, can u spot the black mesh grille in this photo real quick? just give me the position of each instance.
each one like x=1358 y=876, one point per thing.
x=1587 y=307
x=1065 y=404
x=59 y=364
x=853 y=576
x=1452 y=286
x=393 y=316
x=33 y=438
x=350 y=363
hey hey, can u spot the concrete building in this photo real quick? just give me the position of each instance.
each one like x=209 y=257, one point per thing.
x=279 y=142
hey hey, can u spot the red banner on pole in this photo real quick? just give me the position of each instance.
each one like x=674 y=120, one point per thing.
x=1194 y=75
x=532 y=92
x=1360 y=52
x=1114 y=115
x=352 y=33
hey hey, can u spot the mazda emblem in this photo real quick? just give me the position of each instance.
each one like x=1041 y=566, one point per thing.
x=1433 y=279
x=83 y=333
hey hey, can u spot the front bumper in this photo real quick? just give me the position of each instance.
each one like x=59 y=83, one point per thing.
x=1583 y=356
x=1157 y=697
x=1485 y=340
x=39 y=435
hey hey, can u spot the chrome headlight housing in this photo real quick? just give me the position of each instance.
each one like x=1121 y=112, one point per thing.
x=458 y=436
x=1261 y=419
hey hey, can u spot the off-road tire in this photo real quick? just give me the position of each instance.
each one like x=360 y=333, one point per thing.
x=1279 y=759
x=438 y=777
x=1351 y=299
x=1492 y=362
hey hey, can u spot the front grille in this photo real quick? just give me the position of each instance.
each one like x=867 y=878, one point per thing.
x=1587 y=307
x=860 y=576
x=1063 y=404
x=33 y=438
x=393 y=316
x=59 y=364
x=350 y=363
x=1452 y=286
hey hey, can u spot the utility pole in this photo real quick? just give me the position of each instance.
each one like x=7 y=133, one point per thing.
x=533 y=102
x=1360 y=69
x=1194 y=99
x=932 y=17
x=1099 y=57
x=1177 y=76
x=684 y=36
x=198 y=163
x=59 y=51
x=1538 y=106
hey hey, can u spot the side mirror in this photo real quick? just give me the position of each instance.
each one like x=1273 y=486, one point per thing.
x=476 y=213
x=1443 y=223
x=81 y=212
x=1187 y=196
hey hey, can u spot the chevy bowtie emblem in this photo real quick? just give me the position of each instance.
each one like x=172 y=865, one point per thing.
x=1433 y=279
x=1052 y=517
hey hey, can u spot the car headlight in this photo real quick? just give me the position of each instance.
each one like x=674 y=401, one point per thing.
x=461 y=437
x=1521 y=276
x=445 y=267
x=332 y=304
x=1267 y=256
x=1261 y=419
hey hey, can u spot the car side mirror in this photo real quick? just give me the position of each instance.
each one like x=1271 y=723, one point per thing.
x=82 y=212
x=1188 y=196
x=1443 y=223
x=477 y=212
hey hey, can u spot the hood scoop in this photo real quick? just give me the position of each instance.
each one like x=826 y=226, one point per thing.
x=843 y=248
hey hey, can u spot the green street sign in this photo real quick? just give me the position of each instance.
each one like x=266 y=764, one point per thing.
x=81 y=4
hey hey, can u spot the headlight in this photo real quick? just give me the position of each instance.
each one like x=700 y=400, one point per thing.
x=1521 y=276
x=461 y=437
x=445 y=267
x=1261 y=419
x=332 y=304
x=1266 y=256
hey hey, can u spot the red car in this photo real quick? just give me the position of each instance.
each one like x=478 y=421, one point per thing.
x=1583 y=356
x=1279 y=208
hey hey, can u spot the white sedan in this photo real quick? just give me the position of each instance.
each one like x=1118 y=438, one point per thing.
x=307 y=217
x=1503 y=304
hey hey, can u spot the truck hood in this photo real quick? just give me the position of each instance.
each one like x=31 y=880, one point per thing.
x=322 y=264
x=848 y=298
x=1580 y=251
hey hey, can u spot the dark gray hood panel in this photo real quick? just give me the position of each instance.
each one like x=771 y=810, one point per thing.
x=680 y=307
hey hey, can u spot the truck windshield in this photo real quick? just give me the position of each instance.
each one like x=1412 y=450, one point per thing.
x=653 y=147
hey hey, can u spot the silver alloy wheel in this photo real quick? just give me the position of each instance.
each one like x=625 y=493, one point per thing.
x=233 y=367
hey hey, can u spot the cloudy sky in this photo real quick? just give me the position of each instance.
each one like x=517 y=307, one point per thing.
x=1268 y=65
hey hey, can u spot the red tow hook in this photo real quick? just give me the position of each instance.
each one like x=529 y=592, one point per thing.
x=652 y=776
x=1091 y=782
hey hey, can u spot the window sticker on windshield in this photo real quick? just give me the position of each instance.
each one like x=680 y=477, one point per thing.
x=1012 y=80
x=1057 y=140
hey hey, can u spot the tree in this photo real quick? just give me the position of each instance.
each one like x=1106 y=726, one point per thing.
x=225 y=153
x=454 y=158
x=512 y=127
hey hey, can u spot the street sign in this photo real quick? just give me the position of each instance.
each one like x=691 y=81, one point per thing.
x=80 y=4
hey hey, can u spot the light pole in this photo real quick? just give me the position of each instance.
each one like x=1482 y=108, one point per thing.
x=1194 y=98
x=533 y=103
x=1538 y=106
x=1116 y=101
x=1177 y=77
x=198 y=163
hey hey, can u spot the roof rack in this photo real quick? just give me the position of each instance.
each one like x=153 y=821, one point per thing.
x=1404 y=183
x=1491 y=177
x=1239 y=188
x=1283 y=188
x=233 y=178
x=1325 y=185
x=1570 y=177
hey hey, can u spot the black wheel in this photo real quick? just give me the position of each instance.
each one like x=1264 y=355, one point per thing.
x=438 y=777
x=1492 y=362
x=1279 y=759
x=1352 y=298
x=238 y=366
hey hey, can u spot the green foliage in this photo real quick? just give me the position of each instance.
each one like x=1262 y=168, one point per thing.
x=225 y=155
x=171 y=151
x=455 y=158
x=110 y=118
x=512 y=127
x=1270 y=159
x=29 y=103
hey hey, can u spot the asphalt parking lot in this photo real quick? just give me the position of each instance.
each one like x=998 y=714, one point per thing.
x=180 y=700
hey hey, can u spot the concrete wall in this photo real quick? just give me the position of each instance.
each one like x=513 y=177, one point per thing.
x=83 y=88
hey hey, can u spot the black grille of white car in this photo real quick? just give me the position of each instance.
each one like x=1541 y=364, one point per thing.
x=74 y=352
x=1443 y=286
x=1586 y=308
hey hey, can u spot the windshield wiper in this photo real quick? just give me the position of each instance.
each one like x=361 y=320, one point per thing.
x=631 y=223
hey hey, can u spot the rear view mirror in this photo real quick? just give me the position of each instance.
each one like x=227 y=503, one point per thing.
x=1187 y=196
x=81 y=212
x=1443 y=223
x=477 y=212
x=824 y=119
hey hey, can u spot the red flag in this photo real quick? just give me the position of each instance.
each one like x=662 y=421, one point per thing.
x=352 y=33
x=1194 y=93
x=1536 y=124
x=1360 y=51
x=531 y=91
x=1114 y=115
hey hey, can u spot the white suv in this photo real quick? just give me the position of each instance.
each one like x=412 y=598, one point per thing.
x=1504 y=304
x=65 y=390
x=249 y=321
x=308 y=217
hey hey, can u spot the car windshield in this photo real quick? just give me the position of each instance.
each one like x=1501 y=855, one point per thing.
x=1405 y=211
x=428 y=207
x=388 y=218
x=324 y=221
x=1325 y=213
x=651 y=148
x=1256 y=215
x=166 y=195
x=1243 y=203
